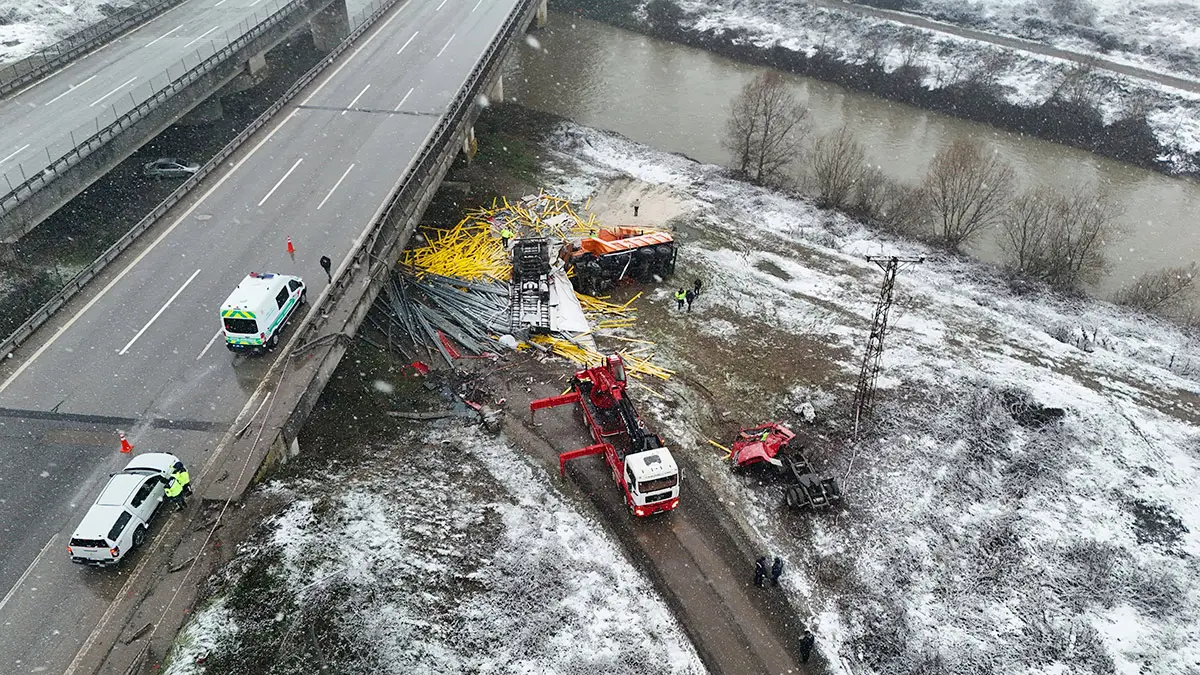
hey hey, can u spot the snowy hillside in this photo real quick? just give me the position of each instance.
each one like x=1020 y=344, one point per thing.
x=1023 y=78
x=29 y=25
x=446 y=553
x=983 y=533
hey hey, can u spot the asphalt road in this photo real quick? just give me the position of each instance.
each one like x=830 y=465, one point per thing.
x=45 y=119
x=143 y=355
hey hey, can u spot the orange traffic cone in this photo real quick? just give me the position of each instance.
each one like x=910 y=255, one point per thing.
x=126 y=446
x=291 y=249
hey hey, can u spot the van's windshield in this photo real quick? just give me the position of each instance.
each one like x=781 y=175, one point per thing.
x=241 y=326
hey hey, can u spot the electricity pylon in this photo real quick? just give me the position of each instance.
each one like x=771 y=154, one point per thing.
x=864 y=394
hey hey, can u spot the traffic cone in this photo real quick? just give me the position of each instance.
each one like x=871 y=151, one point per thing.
x=291 y=249
x=126 y=446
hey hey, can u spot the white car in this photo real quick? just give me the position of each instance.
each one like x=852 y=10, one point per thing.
x=119 y=521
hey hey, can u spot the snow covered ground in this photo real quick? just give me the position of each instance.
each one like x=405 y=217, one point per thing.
x=1025 y=78
x=981 y=535
x=29 y=25
x=446 y=552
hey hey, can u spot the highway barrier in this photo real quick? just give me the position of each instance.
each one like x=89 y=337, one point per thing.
x=95 y=137
x=23 y=332
x=47 y=60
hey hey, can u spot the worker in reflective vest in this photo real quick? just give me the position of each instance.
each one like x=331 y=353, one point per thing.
x=175 y=494
x=181 y=474
x=680 y=297
x=506 y=236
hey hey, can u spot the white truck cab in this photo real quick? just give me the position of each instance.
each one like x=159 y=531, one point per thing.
x=652 y=479
x=255 y=312
x=119 y=520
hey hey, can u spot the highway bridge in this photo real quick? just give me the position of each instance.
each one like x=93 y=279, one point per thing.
x=344 y=169
x=61 y=133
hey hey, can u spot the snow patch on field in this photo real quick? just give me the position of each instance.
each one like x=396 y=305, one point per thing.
x=29 y=25
x=429 y=566
x=979 y=536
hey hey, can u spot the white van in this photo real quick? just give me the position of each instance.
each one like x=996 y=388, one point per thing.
x=120 y=519
x=256 y=311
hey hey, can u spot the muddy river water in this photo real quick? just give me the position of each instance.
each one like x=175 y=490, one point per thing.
x=676 y=98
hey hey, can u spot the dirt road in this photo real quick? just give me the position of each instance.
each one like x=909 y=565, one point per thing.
x=700 y=564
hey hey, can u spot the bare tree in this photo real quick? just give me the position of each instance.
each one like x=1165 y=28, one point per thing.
x=1166 y=291
x=766 y=129
x=967 y=189
x=837 y=163
x=897 y=207
x=1059 y=237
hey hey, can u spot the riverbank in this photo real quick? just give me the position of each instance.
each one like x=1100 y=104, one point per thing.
x=1144 y=126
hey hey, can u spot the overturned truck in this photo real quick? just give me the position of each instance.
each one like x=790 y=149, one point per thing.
x=617 y=253
x=771 y=444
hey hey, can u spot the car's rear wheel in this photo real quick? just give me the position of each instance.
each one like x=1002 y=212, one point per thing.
x=139 y=536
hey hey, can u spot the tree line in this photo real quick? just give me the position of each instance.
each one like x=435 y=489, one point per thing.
x=1051 y=235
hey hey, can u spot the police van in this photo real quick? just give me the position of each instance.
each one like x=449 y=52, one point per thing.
x=256 y=311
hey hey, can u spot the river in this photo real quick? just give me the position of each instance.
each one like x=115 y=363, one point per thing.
x=676 y=98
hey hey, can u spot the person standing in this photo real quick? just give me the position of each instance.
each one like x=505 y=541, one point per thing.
x=690 y=296
x=807 y=641
x=506 y=236
x=174 y=493
x=776 y=570
x=760 y=570
x=637 y=204
x=696 y=286
x=180 y=473
x=680 y=298
x=327 y=265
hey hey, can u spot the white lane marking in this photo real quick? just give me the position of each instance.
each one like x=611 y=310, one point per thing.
x=444 y=46
x=210 y=344
x=93 y=103
x=46 y=79
x=401 y=104
x=360 y=95
x=158 y=314
x=13 y=591
x=354 y=54
x=335 y=187
x=414 y=35
x=289 y=172
x=163 y=35
x=476 y=6
x=441 y=5
x=70 y=89
x=200 y=37
x=15 y=153
x=116 y=280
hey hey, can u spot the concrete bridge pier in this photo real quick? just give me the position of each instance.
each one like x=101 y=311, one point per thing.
x=496 y=95
x=254 y=73
x=330 y=26
x=543 y=14
x=470 y=145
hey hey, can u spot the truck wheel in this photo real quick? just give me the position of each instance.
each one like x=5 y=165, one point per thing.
x=139 y=536
x=792 y=497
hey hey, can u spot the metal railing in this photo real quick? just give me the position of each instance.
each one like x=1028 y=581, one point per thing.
x=45 y=60
x=404 y=199
x=18 y=337
x=127 y=110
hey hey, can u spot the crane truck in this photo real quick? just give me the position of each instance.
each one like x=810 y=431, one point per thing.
x=642 y=466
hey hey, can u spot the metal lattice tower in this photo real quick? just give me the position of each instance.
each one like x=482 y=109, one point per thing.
x=864 y=394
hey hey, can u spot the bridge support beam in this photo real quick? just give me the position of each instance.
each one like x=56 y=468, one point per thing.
x=254 y=73
x=543 y=14
x=330 y=26
x=206 y=112
x=470 y=145
x=496 y=95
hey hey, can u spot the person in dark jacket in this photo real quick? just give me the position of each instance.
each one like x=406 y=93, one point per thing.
x=807 y=640
x=327 y=265
x=696 y=286
x=760 y=570
x=776 y=570
x=690 y=296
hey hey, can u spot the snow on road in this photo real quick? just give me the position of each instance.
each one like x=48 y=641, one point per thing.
x=443 y=552
x=982 y=534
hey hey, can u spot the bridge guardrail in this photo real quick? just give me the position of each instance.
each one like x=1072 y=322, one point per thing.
x=48 y=59
x=77 y=150
x=18 y=337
